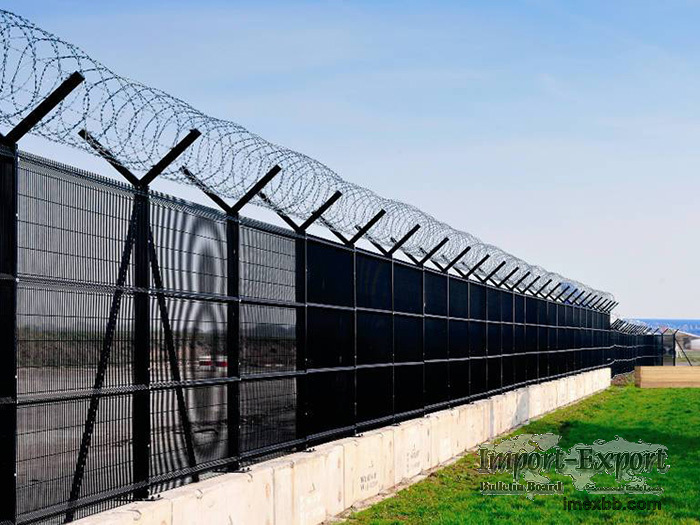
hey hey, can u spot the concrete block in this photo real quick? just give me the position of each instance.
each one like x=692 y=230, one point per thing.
x=483 y=422
x=411 y=449
x=282 y=489
x=563 y=386
x=578 y=387
x=221 y=499
x=157 y=512
x=468 y=416
x=512 y=408
x=333 y=478
x=441 y=424
x=503 y=412
x=367 y=471
x=522 y=405
x=536 y=405
x=464 y=431
x=549 y=396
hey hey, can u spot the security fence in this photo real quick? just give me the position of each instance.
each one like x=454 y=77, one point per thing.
x=158 y=341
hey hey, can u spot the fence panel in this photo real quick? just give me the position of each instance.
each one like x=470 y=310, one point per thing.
x=258 y=341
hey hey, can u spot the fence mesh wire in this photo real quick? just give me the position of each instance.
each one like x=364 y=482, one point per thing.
x=320 y=341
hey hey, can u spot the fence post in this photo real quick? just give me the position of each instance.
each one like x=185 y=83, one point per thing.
x=8 y=332
x=233 y=320
x=141 y=413
x=301 y=357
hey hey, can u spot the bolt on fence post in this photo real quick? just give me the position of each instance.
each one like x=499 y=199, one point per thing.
x=8 y=332
x=301 y=329
x=141 y=402
x=233 y=320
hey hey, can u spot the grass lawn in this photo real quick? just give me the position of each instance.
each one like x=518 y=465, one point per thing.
x=669 y=417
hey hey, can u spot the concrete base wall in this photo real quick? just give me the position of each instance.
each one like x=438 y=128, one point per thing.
x=307 y=488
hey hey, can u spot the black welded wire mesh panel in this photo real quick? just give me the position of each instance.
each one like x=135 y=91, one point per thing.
x=60 y=337
x=543 y=338
x=436 y=338
x=48 y=441
x=477 y=301
x=330 y=398
x=408 y=289
x=267 y=263
x=477 y=376
x=375 y=387
x=519 y=308
x=437 y=387
x=198 y=336
x=477 y=338
x=458 y=339
x=330 y=338
x=494 y=373
x=532 y=366
x=507 y=371
x=329 y=274
x=408 y=388
x=542 y=312
x=435 y=294
x=506 y=339
x=543 y=358
x=373 y=282
x=268 y=412
x=530 y=310
x=459 y=298
x=71 y=225
x=374 y=338
x=408 y=338
x=518 y=338
x=190 y=246
x=207 y=413
x=493 y=342
x=506 y=307
x=493 y=304
x=520 y=364
x=459 y=379
x=268 y=339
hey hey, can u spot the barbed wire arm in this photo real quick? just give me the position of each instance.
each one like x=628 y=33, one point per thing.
x=515 y=286
x=502 y=284
x=320 y=211
x=531 y=283
x=364 y=229
x=494 y=271
x=457 y=259
x=44 y=108
x=398 y=244
x=256 y=189
x=477 y=265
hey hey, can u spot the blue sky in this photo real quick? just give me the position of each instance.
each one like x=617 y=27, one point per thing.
x=564 y=132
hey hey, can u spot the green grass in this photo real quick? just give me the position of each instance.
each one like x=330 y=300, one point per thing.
x=669 y=417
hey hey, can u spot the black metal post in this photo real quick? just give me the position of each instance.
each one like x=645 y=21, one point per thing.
x=302 y=410
x=141 y=403
x=233 y=310
x=8 y=333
